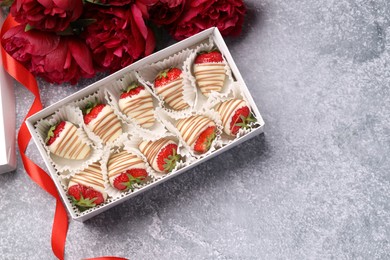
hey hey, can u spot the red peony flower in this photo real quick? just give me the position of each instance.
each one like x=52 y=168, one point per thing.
x=55 y=58
x=227 y=15
x=47 y=15
x=118 y=37
x=112 y=2
x=165 y=12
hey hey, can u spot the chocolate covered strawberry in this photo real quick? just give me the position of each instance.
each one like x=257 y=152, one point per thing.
x=198 y=132
x=169 y=85
x=137 y=103
x=161 y=154
x=209 y=70
x=235 y=114
x=86 y=188
x=126 y=169
x=63 y=140
x=100 y=118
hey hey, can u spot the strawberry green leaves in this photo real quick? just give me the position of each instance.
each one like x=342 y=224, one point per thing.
x=171 y=160
x=246 y=121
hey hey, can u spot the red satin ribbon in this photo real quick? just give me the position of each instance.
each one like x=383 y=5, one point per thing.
x=39 y=176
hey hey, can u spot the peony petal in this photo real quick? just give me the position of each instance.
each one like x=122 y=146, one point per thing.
x=55 y=60
x=81 y=54
x=41 y=43
x=147 y=2
x=45 y=3
x=137 y=15
x=13 y=31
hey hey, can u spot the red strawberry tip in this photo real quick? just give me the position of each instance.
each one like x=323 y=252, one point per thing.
x=52 y=132
x=213 y=55
x=85 y=197
x=205 y=139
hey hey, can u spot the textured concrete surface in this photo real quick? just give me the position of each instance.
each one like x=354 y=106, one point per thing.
x=316 y=185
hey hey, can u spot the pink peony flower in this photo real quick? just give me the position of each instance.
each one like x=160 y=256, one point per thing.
x=47 y=15
x=227 y=15
x=55 y=58
x=118 y=37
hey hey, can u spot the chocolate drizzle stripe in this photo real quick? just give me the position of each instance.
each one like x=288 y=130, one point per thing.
x=173 y=93
x=101 y=126
x=210 y=79
x=84 y=179
x=228 y=108
x=90 y=176
x=81 y=148
x=112 y=132
x=134 y=104
x=151 y=149
x=65 y=137
x=190 y=128
x=120 y=163
x=69 y=145
x=77 y=149
x=123 y=167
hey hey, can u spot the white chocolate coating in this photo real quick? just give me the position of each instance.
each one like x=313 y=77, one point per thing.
x=69 y=145
x=190 y=128
x=90 y=177
x=210 y=77
x=172 y=94
x=227 y=110
x=121 y=162
x=106 y=125
x=139 y=107
x=151 y=150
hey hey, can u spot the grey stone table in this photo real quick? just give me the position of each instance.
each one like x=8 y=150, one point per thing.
x=316 y=185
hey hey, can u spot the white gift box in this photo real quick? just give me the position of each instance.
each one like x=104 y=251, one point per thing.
x=7 y=120
x=204 y=37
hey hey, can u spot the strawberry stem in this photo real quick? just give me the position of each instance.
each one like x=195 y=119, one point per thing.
x=163 y=73
x=82 y=203
x=50 y=133
x=133 y=85
x=90 y=105
x=246 y=121
x=171 y=160
x=132 y=180
x=210 y=140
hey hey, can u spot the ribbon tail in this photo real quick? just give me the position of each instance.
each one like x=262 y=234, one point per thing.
x=39 y=176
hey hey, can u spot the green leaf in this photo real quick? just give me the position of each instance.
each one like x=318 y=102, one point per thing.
x=246 y=121
x=90 y=105
x=50 y=133
x=132 y=85
x=132 y=180
x=171 y=160
x=28 y=28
